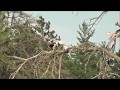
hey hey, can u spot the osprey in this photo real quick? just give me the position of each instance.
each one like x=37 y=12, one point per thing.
x=114 y=35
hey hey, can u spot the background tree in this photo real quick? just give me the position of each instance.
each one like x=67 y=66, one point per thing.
x=25 y=54
x=83 y=63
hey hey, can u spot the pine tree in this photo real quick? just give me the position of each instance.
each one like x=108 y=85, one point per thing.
x=84 y=35
x=21 y=39
x=83 y=63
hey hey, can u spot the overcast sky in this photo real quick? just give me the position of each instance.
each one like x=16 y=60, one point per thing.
x=66 y=24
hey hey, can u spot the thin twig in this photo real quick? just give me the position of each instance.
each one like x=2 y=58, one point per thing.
x=12 y=76
x=19 y=58
x=89 y=59
x=23 y=59
x=60 y=60
x=75 y=49
x=97 y=75
x=101 y=15
x=46 y=69
x=53 y=67
x=87 y=62
x=115 y=74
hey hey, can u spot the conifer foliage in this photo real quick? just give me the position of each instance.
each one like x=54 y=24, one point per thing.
x=25 y=52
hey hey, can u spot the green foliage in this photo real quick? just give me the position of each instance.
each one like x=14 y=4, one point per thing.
x=118 y=53
x=21 y=39
x=84 y=34
x=82 y=65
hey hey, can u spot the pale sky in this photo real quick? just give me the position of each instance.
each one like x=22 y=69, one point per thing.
x=66 y=24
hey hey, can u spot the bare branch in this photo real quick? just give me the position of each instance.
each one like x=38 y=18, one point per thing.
x=115 y=74
x=60 y=64
x=46 y=70
x=97 y=18
x=12 y=76
x=88 y=60
x=53 y=67
x=19 y=58
x=97 y=76
x=74 y=49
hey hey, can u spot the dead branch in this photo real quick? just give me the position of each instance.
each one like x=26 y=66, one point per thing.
x=46 y=70
x=19 y=58
x=61 y=52
x=53 y=67
x=110 y=54
x=115 y=74
x=96 y=19
x=23 y=59
x=60 y=64
x=97 y=76
x=88 y=60
x=74 y=49
x=12 y=76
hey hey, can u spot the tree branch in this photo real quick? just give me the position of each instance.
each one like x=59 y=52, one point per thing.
x=60 y=64
x=46 y=69
x=74 y=49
